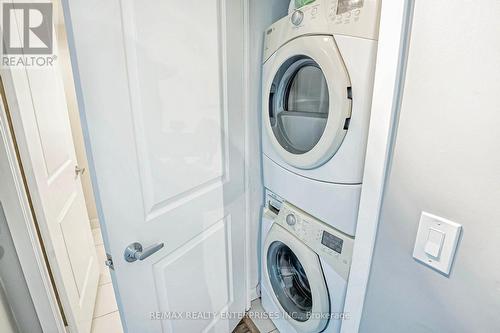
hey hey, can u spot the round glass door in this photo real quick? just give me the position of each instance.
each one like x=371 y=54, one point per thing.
x=299 y=104
x=289 y=281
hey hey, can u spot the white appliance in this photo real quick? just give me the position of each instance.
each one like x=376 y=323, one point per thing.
x=304 y=269
x=317 y=85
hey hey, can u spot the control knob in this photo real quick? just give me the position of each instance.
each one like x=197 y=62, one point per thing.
x=291 y=219
x=297 y=17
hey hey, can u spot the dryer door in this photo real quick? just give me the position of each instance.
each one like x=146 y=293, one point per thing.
x=307 y=103
x=294 y=276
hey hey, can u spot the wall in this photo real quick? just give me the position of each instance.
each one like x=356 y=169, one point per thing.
x=74 y=117
x=7 y=320
x=262 y=13
x=17 y=312
x=446 y=161
x=7 y=324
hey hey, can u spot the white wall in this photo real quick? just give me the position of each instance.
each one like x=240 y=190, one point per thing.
x=17 y=312
x=447 y=162
x=7 y=324
x=262 y=13
x=7 y=321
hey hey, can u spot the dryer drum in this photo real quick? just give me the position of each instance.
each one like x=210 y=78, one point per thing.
x=299 y=104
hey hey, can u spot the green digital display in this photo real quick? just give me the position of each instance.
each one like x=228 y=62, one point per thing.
x=302 y=3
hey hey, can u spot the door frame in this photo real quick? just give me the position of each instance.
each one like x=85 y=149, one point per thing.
x=251 y=291
x=26 y=236
x=394 y=35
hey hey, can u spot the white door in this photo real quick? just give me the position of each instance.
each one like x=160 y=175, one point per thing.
x=161 y=87
x=40 y=117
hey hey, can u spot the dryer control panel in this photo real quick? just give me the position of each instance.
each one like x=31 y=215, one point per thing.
x=356 y=18
x=329 y=243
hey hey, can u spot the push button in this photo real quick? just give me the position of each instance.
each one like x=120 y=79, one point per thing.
x=297 y=17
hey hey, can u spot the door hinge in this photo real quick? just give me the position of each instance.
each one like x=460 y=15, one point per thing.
x=109 y=261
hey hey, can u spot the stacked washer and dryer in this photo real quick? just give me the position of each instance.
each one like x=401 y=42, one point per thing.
x=318 y=68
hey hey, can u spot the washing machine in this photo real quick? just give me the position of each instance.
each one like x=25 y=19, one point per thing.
x=304 y=269
x=318 y=69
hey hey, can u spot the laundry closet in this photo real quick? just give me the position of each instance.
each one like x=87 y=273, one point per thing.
x=315 y=92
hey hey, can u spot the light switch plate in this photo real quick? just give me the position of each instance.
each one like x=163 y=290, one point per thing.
x=427 y=228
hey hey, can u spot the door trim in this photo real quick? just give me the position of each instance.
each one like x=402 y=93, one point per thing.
x=251 y=291
x=395 y=23
x=25 y=235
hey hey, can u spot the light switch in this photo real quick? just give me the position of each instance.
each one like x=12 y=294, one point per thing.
x=436 y=242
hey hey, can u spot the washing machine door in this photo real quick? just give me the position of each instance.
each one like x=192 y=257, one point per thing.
x=294 y=277
x=306 y=100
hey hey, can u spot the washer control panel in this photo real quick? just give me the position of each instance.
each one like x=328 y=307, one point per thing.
x=329 y=243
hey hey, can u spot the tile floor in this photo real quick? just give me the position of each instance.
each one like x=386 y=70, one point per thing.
x=106 y=315
x=264 y=324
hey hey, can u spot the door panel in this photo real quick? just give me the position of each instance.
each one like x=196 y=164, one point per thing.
x=191 y=275
x=176 y=99
x=46 y=147
x=74 y=228
x=163 y=108
x=56 y=152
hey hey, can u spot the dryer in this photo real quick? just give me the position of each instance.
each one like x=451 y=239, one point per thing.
x=304 y=270
x=318 y=68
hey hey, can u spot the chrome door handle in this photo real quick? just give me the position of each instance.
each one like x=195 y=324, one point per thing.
x=135 y=252
x=79 y=171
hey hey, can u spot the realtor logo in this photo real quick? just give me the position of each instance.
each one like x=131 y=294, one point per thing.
x=34 y=22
